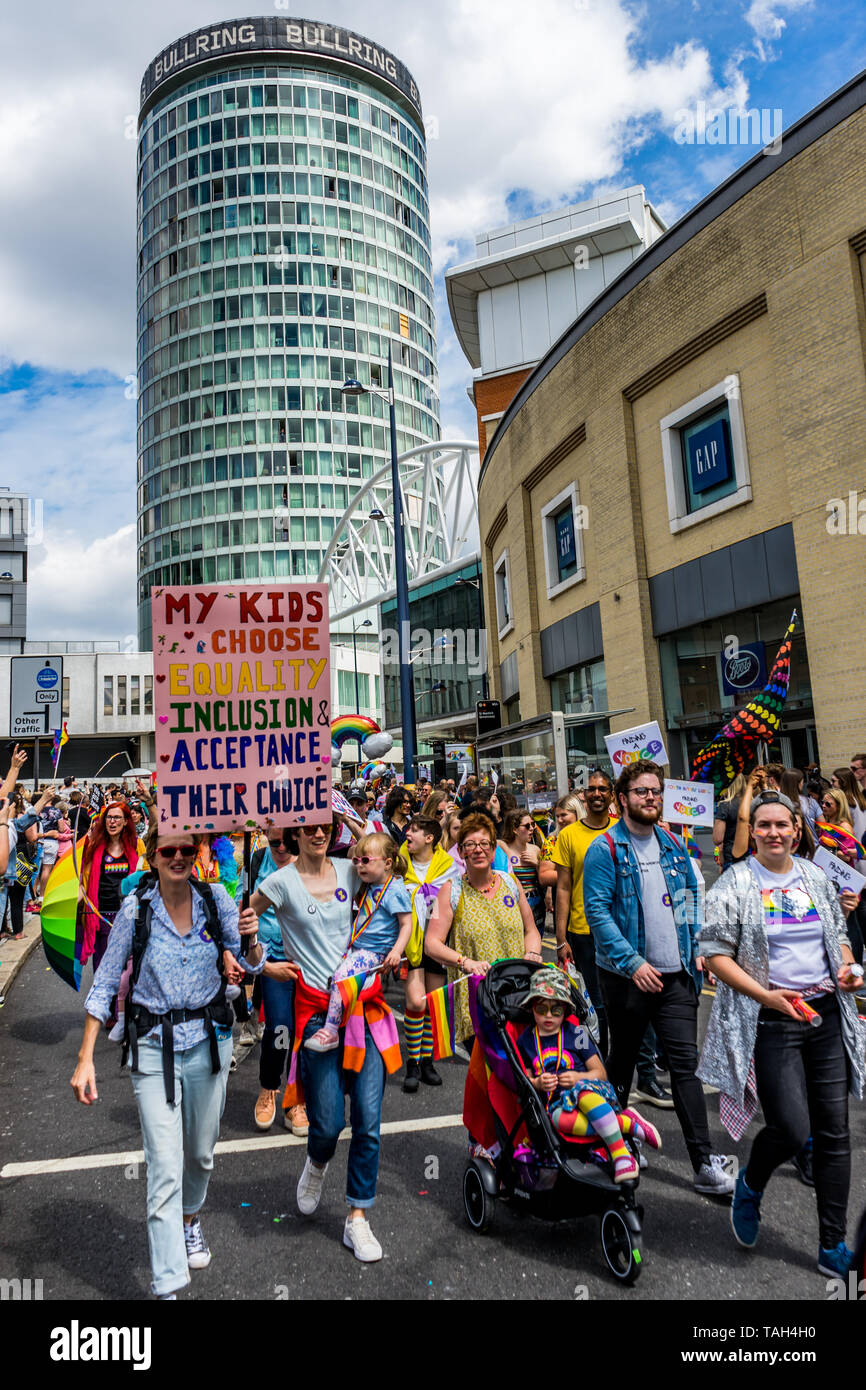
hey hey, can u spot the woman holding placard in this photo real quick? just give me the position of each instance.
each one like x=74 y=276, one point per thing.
x=185 y=945
x=784 y=1029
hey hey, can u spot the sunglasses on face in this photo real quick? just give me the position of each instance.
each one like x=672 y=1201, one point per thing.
x=276 y=844
x=368 y=858
x=170 y=851
x=311 y=830
x=555 y=1010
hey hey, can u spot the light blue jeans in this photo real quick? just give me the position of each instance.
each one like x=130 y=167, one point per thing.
x=179 y=1142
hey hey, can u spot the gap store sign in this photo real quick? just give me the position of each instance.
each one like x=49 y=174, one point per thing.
x=709 y=457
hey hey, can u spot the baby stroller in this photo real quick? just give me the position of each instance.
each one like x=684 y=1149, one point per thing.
x=537 y=1168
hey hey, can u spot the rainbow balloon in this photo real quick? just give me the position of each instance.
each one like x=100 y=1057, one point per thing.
x=353 y=726
x=371 y=769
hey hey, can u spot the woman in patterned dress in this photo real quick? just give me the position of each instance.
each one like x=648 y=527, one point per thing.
x=480 y=918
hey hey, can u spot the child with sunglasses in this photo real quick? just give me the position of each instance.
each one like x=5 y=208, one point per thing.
x=565 y=1068
x=381 y=928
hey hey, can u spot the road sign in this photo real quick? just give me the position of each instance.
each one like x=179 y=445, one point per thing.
x=35 y=704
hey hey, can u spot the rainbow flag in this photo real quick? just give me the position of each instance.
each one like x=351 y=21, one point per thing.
x=834 y=837
x=350 y=990
x=733 y=748
x=691 y=843
x=441 y=1006
x=60 y=737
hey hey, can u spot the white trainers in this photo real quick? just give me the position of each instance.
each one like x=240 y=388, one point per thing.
x=197 y=1254
x=361 y=1240
x=310 y=1188
x=248 y=1036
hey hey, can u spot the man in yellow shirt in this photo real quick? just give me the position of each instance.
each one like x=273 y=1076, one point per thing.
x=573 y=938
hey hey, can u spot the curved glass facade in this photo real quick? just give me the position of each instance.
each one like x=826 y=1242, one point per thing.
x=283 y=243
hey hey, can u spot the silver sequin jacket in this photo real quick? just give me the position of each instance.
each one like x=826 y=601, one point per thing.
x=734 y=926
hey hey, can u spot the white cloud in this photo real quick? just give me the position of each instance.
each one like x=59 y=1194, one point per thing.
x=765 y=18
x=549 y=100
x=73 y=447
x=78 y=589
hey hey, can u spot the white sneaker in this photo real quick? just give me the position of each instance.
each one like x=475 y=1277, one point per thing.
x=248 y=1036
x=197 y=1254
x=116 y=1034
x=360 y=1238
x=310 y=1188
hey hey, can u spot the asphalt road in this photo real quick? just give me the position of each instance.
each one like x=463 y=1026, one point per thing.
x=83 y=1233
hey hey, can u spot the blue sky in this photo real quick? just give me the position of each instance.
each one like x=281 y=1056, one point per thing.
x=536 y=106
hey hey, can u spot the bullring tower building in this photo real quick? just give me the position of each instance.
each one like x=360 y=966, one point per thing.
x=283 y=245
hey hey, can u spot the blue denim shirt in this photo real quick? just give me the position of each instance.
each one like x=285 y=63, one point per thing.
x=612 y=901
x=177 y=972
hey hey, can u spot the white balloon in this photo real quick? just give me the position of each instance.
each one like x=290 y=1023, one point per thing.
x=336 y=755
x=376 y=745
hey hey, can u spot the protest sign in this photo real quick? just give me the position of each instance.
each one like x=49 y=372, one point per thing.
x=840 y=874
x=644 y=742
x=242 y=703
x=688 y=803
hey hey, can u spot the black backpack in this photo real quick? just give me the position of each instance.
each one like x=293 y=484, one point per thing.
x=138 y=1020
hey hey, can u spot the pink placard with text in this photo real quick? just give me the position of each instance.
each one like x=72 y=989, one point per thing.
x=242 y=689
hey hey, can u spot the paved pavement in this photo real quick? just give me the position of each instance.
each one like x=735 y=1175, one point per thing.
x=82 y=1231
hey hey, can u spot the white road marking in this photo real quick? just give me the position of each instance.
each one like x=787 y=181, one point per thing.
x=81 y=1162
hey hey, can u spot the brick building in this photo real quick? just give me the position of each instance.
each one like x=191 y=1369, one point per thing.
x=675 y=477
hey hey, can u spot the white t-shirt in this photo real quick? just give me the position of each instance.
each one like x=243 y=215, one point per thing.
x=795 y=934
x=661 y=946
x=315 y=934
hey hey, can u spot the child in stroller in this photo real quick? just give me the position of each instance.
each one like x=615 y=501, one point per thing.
x=565 y=1068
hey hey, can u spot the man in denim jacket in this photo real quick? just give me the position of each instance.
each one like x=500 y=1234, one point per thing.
x=642 y=898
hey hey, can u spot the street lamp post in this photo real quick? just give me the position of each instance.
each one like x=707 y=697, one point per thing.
x=365 y=623
x=407 y=695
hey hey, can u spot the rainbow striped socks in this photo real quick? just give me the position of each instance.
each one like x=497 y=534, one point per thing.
x=413 y=1028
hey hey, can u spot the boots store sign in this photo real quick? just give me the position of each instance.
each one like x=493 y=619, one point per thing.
x=745 y=670
x=277 y=35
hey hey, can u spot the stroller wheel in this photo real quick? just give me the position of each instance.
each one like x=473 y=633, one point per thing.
x=620 y=1246
x=477 y=1200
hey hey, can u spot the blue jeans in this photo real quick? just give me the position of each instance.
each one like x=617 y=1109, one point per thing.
x=179 y=1142
x=278 y=998
x=326 y=1086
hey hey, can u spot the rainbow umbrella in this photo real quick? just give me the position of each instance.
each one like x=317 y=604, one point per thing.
x=61 y=937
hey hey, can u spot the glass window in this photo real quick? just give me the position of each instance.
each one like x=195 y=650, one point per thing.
x=121 y=695
x=108 y=695
x=135 y=695
x=708 y=459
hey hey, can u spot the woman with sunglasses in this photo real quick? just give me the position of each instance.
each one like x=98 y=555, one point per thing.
x=110 y=852
x=481 y=917
x=312 y=900
x=278 y=992
x=179 y=984
x=399 y=810
x=524 y=857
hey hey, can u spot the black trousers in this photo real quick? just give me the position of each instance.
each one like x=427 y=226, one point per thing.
x=802 y=1076
x=674 y=1015
x=583 y=950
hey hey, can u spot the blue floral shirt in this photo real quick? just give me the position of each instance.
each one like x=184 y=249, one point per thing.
x=177 y=972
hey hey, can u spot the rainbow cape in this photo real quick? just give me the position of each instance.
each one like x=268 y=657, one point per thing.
x=441 y=1007
x=733 y=748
